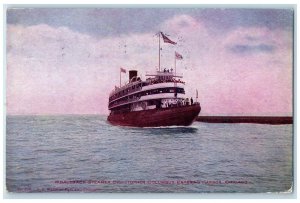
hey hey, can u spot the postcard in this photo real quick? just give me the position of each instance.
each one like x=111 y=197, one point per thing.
x=149 y=100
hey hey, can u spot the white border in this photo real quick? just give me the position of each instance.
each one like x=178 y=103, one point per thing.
x=162 y=3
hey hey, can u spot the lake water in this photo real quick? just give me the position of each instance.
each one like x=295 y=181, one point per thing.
x=87 y=154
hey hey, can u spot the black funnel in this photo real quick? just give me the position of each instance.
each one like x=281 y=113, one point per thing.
x=132 y=73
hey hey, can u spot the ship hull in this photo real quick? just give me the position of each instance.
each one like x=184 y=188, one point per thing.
x=180 y=116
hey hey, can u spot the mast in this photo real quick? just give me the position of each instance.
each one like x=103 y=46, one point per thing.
x=120 y=78
x=159 y=51
x=175 y=83
x=175 y=63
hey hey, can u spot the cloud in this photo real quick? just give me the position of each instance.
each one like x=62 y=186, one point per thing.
x=243 y=48
x=58 y=70
x=259 y=81
x=117 y=21
x=227 y=19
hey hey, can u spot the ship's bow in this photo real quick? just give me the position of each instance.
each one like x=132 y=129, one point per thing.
x=178 y=116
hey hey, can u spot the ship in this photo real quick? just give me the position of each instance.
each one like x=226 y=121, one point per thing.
x=157 y=101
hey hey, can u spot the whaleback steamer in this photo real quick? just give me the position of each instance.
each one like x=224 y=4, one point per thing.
x=157 y=101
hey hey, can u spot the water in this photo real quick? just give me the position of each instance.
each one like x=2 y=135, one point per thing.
x=86 y=154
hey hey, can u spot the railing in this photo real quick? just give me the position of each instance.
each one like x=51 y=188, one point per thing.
x=171 y=106
x=164 y=73
x=149 y=81
x=157 y=81
x=120 y=89
x=127 y=93
x=123 y=102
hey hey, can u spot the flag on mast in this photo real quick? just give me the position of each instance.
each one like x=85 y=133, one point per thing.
x=122 y=70
x=178 y=56
x=166 y=39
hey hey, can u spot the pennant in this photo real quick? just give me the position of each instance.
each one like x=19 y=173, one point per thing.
x=123 y=70
x=166 y=39
x=178 y=56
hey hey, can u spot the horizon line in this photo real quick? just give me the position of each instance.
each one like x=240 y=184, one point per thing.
x=215 y=115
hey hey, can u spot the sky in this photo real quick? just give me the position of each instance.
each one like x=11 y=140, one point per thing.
x=67 y=61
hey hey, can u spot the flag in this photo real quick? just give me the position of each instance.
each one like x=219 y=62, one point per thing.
x=123 y=70
x=178 y=56
x=166 y=39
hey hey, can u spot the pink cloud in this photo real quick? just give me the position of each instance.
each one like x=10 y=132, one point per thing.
x=58 y=71
x=256 y=82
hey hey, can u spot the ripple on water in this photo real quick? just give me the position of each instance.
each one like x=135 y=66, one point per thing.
x=41 y=150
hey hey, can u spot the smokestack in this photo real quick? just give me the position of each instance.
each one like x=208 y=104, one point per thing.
x=132 y=73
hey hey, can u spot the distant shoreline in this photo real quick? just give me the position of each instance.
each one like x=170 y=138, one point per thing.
x=274 y=120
